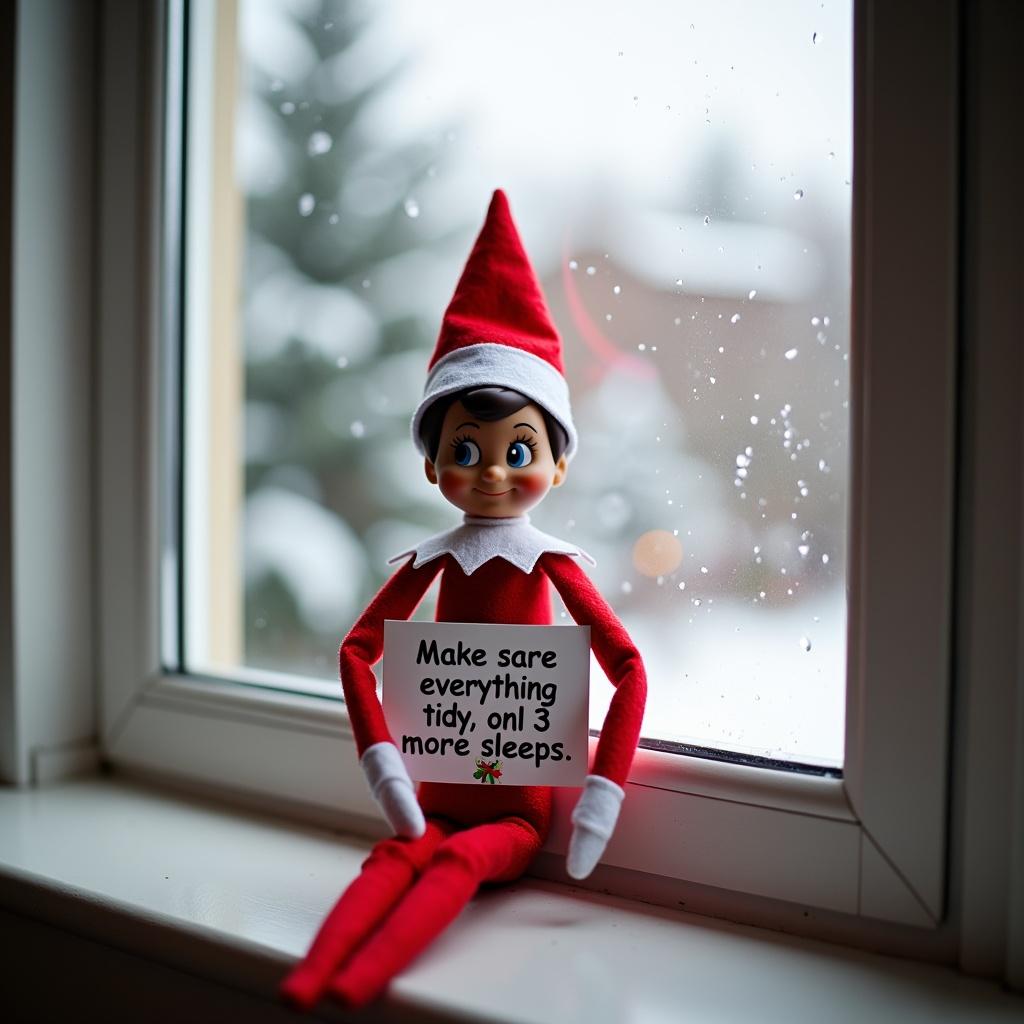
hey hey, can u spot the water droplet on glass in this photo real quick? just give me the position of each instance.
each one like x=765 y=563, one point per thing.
x=306 y=204
x=627 y=587
x=341 y=362
x=617 y=290
x=742 y=460
x=823 y=466
x=642 y=347
x=791 y=353
x=704 y=570
x=827 y=321
x=682 y=584
x=805 y=644
x=365 y=282
x=751 y=293
x=753 y=421
x=707 y=221
x=696 y=602
x=804 y=550
x=824 y=559
x=591 y=271
x=358 y=428
x=573 y=264
x=276 y=85
x=798 y=194
x=412 y=208
x=333 y=219
x=735 y=318
x=287 y=108
x=608 y=316
x=319 y=143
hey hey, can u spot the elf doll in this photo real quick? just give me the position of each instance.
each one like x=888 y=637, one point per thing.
x=496 y=433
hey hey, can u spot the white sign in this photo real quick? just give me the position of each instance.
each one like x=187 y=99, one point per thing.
x=488 y=704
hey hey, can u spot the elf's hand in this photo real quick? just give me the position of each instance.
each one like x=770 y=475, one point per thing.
x=593 y=821
x=393 y=789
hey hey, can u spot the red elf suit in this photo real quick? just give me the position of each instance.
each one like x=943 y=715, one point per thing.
x=451 y=837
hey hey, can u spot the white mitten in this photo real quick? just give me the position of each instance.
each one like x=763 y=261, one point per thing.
x=593 y=821
x=393 y=789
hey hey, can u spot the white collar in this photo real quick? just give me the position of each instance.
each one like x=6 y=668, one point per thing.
x=481 y=538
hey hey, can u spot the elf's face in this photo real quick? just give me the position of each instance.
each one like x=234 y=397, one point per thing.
x=498 y=469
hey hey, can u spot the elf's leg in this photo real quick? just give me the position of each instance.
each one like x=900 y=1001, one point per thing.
x=498 y=851
x=386 y=874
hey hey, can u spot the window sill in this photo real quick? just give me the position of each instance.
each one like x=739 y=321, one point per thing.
x=234 y=897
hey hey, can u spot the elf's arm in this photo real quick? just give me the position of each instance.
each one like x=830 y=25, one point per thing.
x=360 y=650
x=598 y=808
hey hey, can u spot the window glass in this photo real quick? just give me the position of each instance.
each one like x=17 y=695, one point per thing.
x=680 y=174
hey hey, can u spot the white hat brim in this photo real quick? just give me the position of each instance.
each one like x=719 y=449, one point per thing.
x=490 y=365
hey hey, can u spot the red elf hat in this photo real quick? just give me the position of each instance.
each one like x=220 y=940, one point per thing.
x=497 y=331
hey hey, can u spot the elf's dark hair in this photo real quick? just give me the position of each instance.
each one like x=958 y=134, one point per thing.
x=488 y=404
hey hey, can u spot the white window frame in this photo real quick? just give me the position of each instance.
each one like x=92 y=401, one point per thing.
x=818 y=854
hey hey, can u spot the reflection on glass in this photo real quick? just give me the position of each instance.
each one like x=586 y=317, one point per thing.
x=681 y=177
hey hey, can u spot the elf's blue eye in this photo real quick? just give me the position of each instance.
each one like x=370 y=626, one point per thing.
x=519 y=455
x=467 y=453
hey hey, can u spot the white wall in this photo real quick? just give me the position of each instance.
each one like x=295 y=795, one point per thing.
x=50 y=532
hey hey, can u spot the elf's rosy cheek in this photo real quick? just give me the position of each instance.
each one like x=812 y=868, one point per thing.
x=533 y=485
x=454 y=482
